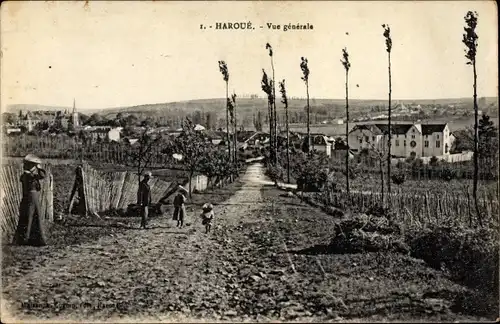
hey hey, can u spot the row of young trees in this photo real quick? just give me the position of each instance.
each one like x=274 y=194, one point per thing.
x=470 y=39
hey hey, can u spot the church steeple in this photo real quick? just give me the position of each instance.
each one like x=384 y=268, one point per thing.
x=76 y=120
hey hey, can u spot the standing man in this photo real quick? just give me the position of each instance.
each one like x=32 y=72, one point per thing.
x=144 y=199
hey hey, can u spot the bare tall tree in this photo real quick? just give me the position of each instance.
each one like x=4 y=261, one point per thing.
x=225 y=75
x=347 y=65
x=284 y=100
x=233 y=117
x=267 y=87
x=388 y=46
x=470 y=40
x=274 y=118
x=305 y=71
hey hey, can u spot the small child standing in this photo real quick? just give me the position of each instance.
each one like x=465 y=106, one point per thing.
x=179 y=206
x=207 y=216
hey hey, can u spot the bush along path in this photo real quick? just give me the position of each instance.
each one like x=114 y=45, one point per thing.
x=269 y=257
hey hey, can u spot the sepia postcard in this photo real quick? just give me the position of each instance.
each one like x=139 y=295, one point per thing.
x=249 y=161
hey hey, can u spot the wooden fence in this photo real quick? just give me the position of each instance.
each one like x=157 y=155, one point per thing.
x=117 y=190
x=106 y=191
x=11 y=195
x=434 y=208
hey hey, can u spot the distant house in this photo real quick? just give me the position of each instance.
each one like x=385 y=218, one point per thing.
x=320 y=142
x=114 y=134
x=408 y=140
x=247 y=139
x=97 y=134
x=29 y=121
x=339 y=150
x=104 y=133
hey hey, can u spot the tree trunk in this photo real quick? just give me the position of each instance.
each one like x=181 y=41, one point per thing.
x=347 y=129
x=235 y=142
x=190 y=183
x=390 y=135
x=287 y=145
x=271 y=138
x=227 y=121
x=382 y=178
x=274 y=117
x=476 y=148
x=308 y=119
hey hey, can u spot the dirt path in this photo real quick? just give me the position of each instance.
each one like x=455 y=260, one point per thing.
x=249 y=268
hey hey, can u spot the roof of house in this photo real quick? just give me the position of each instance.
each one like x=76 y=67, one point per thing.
x=399 y=129
x=432 y=128
x=396 y=129
x=369 y=127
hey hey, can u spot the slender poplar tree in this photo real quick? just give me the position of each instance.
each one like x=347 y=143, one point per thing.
x=225 y=75
x=284 y=100
x=305 y=71
x=274 y=111
x=388 y=47
x=267 y=87
x=235 y=148
x=347 y=65
x=470 y=39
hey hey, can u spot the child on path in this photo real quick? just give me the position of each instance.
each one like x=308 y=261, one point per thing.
x=207 y=216
x=179 y=207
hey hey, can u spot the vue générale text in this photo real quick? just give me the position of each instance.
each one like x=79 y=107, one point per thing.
x=250 y=26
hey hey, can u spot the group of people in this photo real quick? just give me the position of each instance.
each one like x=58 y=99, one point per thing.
x=30 y=228
x=144 y=201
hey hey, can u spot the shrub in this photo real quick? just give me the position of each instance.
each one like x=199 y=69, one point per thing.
x=448 y=173
x=276 y=173
x=401 y=165
x=398 y=178
x=470 y=255
x=363 y=233
x=433 y=161
x=310 y=170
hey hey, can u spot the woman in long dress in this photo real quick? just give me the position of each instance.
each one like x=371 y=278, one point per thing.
x=30 y=229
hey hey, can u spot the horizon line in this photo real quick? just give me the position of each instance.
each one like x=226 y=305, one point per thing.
x=263 y=97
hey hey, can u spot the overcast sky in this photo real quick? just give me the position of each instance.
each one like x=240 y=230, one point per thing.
x=110 y=54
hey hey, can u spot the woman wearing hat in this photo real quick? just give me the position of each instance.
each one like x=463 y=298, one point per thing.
x=30 y=228
x=179 y=207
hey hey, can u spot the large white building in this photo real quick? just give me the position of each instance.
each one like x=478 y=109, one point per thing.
x=407 y=139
